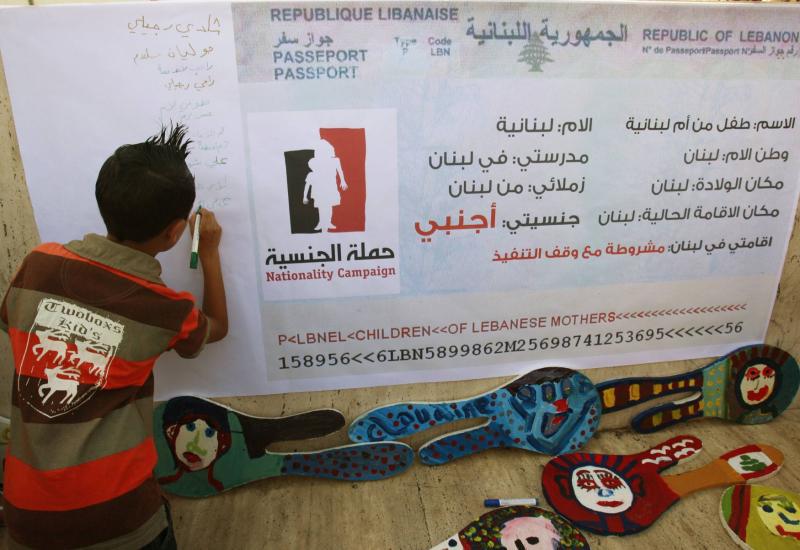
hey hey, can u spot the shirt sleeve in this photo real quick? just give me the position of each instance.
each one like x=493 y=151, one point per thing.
x=193 y=335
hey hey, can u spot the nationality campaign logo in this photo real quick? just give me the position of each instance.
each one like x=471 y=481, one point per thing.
x=66 y=357
x=326 y=183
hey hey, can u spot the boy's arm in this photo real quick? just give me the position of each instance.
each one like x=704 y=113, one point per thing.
x=215 y=305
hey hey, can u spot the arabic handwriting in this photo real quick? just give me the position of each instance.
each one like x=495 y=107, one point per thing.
x=140 y=25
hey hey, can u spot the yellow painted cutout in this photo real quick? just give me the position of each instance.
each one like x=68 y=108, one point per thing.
x=633 y=392
x=656 y=389
x=676 y=414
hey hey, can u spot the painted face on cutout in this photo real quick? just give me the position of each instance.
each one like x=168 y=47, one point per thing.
x=601 y=490
x=517 y=528
x=554 y=403
x=196 y=444
x=780 y=515
x=758 y=383
x=529 y=533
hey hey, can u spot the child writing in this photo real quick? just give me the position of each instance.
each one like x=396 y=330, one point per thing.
x=87 y=321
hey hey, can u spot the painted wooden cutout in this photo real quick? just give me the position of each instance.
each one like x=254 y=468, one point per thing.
x=761 y=518
x=517 y=528
x=625 y=494
x=750 y=385
x=550 y=411
x=205 y=448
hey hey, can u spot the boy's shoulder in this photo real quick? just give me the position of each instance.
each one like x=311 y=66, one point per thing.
x=122 y=259
x=96 y=266
x=97 y=278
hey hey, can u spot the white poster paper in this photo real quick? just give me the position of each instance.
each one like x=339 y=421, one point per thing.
x=428 y=191
x=110 y=75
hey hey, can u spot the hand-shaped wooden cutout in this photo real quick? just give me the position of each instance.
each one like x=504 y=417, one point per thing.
x=550 y=411
x=205 y=448
x=625 y=494
x=750 y=385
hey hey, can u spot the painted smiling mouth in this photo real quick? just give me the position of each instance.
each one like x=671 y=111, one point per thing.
x=610 y=503
x=552 y=422
x=191 y=458
x=785 y=533
x=757 y=395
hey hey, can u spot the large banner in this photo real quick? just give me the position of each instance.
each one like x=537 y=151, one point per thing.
x=436 y=191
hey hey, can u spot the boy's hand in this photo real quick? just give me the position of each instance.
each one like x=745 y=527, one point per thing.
x=215 y=305
x=210 y=232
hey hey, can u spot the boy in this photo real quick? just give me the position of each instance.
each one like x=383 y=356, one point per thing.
x=87 y=321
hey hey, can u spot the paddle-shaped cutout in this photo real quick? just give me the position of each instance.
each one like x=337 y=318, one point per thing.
x=625 y=494
x=758 y=517
x=550 y=411
x=517 y=528
x=750 y=385
x=205 y=448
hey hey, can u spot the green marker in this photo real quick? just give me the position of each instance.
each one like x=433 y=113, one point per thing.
x=195 y=241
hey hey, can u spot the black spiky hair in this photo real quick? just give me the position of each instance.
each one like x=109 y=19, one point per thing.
x=144 y=187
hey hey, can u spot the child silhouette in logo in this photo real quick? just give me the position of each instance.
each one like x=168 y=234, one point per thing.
x=324 y=184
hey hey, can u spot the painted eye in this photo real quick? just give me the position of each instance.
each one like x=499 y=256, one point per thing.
x=586 y=482
x=210 y=432
x=566 y=387
x=611 y=482
x=791 y=509
x=768 y=372
x=532 y=540
x=548 y=392
x=524 y=392
x=191 y=426
x=767 y=508
x=752 y=373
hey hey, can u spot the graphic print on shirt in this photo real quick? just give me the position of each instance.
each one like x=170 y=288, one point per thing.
x=66 y=357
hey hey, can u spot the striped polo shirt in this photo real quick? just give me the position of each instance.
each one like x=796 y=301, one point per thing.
x=87 y=321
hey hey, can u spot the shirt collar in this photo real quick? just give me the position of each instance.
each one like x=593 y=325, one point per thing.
x=118 y=256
